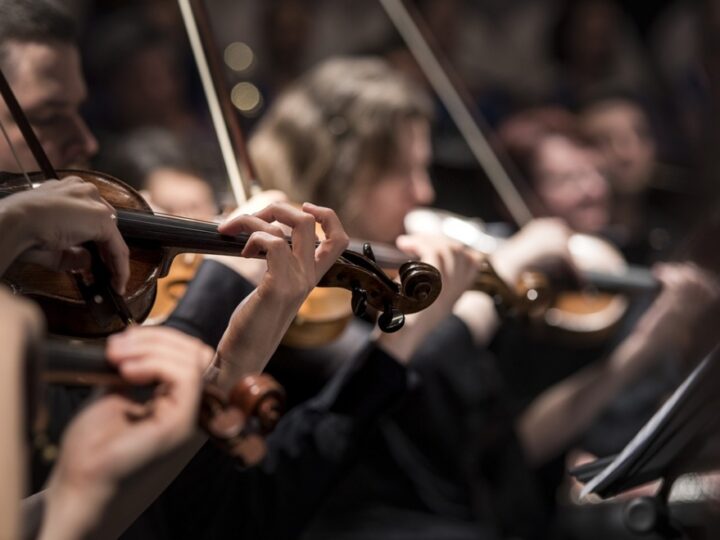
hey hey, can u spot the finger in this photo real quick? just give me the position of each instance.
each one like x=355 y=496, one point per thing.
x=422 y=247
x=112 y=248
x=303 y=229
x=261 y=245
x=247 y=223
x=408 y=245
x=43 y=257
x=136 y=341
x=667 y=274
x=116 y=255
x=86 y=190
x=160 y=369
x=336 y=239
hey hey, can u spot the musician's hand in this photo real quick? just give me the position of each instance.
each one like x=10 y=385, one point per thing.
x=458 y=266
x=115 y=437
x=260 y=322
x=541 y=244
x=292 y=270
x=684 y=317
x=48 y=223
x=251 y=269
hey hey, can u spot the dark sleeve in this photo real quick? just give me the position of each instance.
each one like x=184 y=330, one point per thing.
x=210 y=300
x=307 y=454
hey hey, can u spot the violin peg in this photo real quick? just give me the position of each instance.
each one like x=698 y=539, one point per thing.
x=359 y=301
x=368 y=251
x=391 y=321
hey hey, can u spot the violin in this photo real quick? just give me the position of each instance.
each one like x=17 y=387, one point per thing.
x=327 y=314
x=237 y=422
x=583 y=310
x=154 y=241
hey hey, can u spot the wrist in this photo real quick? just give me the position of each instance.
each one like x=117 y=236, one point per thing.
x=284 y=300
x=73 y=509
x=634 y=355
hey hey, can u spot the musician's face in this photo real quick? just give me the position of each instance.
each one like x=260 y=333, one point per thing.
x=48 y=83
x=570 y=185
x=180 y=194
x=621 y=132
x=400 y=189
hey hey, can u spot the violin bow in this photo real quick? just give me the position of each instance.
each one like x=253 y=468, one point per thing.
x=100 y=293
x=224 y=116
x=445 y=84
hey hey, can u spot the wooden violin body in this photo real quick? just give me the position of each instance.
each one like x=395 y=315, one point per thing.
x=65 y=309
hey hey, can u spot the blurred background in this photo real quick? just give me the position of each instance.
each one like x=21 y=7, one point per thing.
x=660 y=57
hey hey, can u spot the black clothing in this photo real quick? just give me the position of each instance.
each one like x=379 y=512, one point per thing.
x=62 y=403
x=307 y=452
x=444 y=463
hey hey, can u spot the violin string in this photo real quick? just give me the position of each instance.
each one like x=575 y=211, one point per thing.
x=15 y=156
x=183 y=224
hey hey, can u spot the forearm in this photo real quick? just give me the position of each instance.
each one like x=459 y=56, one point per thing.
x=562 y=412
x=209 y=302
x=256 y=328
x=99 y=511
x=12 y=433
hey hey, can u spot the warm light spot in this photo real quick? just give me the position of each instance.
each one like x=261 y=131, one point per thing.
x=239 y=56
x=246 y=97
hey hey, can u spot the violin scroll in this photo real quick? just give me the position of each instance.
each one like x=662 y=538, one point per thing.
x=420 y=284
x=239 y=423
x=260 y=397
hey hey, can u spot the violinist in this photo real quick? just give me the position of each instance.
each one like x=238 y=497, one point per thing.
x=353 y=135
x=653 y=201
x=88 y=475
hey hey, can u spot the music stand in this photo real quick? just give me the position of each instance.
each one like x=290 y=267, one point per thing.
x=675 y=441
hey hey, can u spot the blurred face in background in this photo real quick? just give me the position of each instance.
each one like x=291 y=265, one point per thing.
x=619 y=129
x=47 y=81
x=181 y=194
x=398 y=190
x=569 y=184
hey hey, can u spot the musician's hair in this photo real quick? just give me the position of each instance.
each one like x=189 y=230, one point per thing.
x=335 y=131
x=39 y=21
